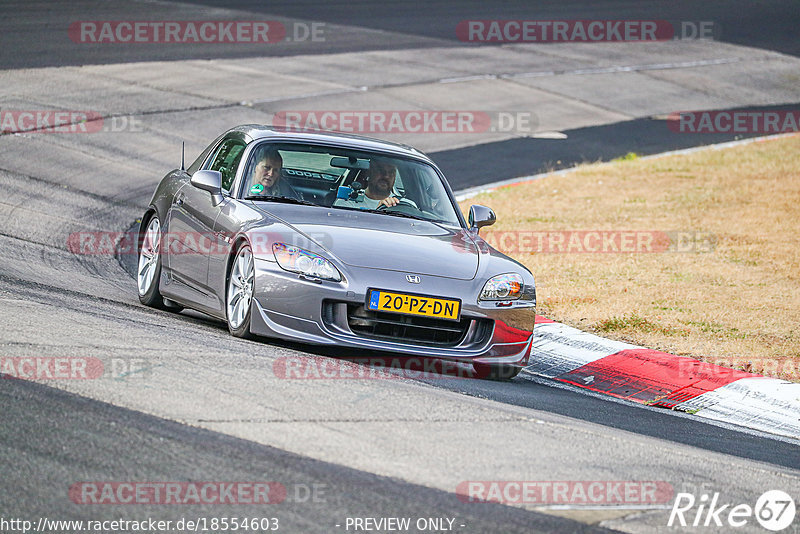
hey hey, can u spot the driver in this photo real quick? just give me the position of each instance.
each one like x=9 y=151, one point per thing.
x=382 y=174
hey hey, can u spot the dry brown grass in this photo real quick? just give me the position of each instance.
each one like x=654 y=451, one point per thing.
x=737 y=305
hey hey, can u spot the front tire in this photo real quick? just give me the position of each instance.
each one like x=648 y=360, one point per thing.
x=149 y=267
x=239 y=294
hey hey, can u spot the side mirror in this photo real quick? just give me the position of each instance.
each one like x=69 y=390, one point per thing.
x=480 y=216
x=210 y=181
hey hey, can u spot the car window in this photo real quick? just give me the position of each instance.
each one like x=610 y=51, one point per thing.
x=226 y=161
x=349 y=179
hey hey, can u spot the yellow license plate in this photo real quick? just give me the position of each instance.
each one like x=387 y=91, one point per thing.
x=379 y=300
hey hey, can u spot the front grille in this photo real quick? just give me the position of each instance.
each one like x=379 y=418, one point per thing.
x=415 y=329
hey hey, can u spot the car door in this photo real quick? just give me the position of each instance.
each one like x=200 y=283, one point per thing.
x=191 y=224
x=234 y=215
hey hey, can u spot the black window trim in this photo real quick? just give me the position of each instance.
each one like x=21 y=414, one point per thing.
x=213 y=156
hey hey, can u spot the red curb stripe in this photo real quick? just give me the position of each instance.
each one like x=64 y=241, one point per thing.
x=651 y=377
x=542 y=320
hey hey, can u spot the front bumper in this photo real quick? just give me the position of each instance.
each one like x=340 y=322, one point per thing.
x=290 y=307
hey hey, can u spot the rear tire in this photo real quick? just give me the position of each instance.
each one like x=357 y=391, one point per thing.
x=495 y=372
x=239 y=293
x=148 y=269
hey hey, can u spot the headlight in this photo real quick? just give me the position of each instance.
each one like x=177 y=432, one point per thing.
x=502 y=287
x=297 y=260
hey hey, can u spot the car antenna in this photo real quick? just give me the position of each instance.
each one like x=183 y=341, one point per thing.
x=183 y=150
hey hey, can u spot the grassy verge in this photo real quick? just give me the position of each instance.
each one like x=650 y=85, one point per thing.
x=717 y=272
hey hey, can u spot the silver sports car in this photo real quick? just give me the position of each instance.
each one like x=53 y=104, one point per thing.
x=336 y=240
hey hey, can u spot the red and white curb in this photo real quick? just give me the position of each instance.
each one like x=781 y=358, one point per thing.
x=656 y=378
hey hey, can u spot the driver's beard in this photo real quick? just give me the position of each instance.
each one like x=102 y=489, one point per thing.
x=380 y=191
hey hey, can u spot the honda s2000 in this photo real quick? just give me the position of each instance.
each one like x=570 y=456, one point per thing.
x=335 y=240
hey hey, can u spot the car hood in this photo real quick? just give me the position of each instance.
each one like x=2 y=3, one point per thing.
x=378 y=241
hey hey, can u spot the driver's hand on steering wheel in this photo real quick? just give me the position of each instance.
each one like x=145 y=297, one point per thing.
x=389 y=202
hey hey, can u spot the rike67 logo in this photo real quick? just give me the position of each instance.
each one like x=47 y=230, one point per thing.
x=774 y=510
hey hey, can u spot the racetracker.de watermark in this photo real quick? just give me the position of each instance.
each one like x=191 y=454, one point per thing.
x=74 y=368
x=408 y=121
x=732 y=367
x=51 y=368
x=572 y=492
x=194 y=32
x=178 y=493
x=102 y=243
x=583 y=31
x=374 y=368
x=735 y=121
x=599 y=241
x=65 y=122
x=98 y=242
x=93 y=242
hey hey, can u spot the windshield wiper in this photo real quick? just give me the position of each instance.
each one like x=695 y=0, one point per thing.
x=285 y=200
x=438 y=222
x=400 y=214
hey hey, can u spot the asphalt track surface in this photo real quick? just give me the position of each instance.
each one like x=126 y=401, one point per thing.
x=57 y=434
x=30 y=33
x=50 y=438
x=29 y=41
x=643 y=137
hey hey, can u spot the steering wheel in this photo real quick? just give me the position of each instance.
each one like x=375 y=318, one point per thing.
x=404 y=205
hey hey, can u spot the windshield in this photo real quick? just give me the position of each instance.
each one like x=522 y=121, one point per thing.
x=347 y=179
